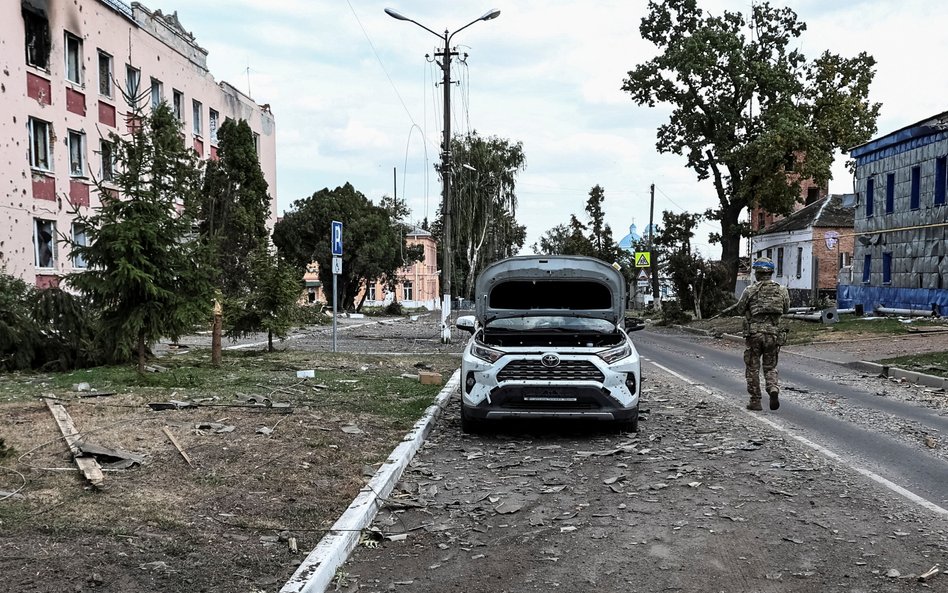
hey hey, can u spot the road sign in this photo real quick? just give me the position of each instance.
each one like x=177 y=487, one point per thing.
x=643 y=275
x=337 y=265
x=643 y=259
x=336 y=238
x=642 y=283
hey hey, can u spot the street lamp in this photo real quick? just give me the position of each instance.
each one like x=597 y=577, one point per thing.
x=445 y=158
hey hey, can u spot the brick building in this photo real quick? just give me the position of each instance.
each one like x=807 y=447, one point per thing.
x=901 y=252
x=809 y=247
x=63 y=68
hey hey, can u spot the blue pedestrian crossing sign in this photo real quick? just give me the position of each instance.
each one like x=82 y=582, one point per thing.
x=336 y=238
x=643 y=259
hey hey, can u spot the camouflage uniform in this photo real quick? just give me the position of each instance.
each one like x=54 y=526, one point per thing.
x=762 y=304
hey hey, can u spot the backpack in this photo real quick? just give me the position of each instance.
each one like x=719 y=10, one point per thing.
x=767 y=301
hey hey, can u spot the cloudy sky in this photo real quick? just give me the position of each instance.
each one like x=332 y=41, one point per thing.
x=355 y=99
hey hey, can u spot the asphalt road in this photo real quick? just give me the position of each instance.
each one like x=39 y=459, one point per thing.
x=865 y=425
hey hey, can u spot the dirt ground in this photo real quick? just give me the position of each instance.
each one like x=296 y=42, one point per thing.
x=698 y=486
x=242 y=517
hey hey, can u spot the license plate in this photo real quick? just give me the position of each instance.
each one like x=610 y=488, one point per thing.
x=545 y=395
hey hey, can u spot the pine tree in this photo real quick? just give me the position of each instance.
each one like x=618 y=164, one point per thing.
x=147 y=276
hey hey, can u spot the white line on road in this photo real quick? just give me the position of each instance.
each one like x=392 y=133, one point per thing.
x=923 y=502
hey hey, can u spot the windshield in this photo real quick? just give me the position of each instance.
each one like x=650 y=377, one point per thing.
x=552 y=323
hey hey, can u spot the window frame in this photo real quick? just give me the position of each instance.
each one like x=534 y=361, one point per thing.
x=39 y=44
x=941 y=179
x=76 y=145
x=77 y=41
x=177 y=104
x=408 y=291
x=106 y=157
x=52 y=243
x=79 y=237
x=887 y=267
x=870 y=197
x=197 y=118
x=48 y=153
x=866 y=268
x=157 y=98
x=779 y=272
x=890 y=193
x=109 y=90
x=131 y=72
x=799 y=262
x=915 y=196
x=213 y=123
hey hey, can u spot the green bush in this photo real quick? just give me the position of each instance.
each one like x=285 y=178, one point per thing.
x=394 y=308
x=672 y=314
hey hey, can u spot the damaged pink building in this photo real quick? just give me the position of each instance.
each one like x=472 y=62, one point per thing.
x=63 y=69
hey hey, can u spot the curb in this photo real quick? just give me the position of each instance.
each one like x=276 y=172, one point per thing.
x=872 y=368
x=318 y=569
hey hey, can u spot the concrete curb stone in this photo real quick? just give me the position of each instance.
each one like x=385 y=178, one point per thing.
x=318 y=569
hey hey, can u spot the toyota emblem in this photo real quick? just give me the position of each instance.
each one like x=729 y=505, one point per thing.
x=550 y=360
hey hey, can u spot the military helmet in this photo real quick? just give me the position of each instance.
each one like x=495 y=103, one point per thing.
x=763 y=265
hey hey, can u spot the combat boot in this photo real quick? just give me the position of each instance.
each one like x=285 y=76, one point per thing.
x=773 y=392
x=754 y=403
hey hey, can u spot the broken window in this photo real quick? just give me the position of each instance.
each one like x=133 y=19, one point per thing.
x=133 y=79
x=73 y=58
x=940 y=166
x=107 y=173
x=871 y=197
x=37 y=39
x=177 y=104
x=196 y=117
x=105 y=74
x=887 y=268
x=760 y=220
x=77 y=153
x=812 y=195
x=79 y=239
x=44 y=239
x=916 y=185
x=889 y=193
x=866 y=267
x=212 y=125
x=157 y=93
x=39 y=144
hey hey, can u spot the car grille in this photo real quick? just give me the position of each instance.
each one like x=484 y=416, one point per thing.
x=533 y=370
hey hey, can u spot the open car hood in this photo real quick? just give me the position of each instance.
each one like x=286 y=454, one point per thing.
x=529 y=285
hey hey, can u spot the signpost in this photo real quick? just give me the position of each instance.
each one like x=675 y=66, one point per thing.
x=336 y=241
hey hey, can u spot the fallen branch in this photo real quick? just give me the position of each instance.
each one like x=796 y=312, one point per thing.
x=922 y=578
x=177 y=445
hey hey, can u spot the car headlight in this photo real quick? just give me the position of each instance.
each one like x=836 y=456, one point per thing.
x=618 y=353
x=484 y=353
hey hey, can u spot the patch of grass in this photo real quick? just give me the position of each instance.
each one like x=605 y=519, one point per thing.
x=6 y=451
x=807 y=332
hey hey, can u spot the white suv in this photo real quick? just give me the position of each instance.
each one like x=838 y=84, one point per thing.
x=549 y=341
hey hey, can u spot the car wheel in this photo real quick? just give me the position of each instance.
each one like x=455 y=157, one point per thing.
x=470 y=425
x=631 y=424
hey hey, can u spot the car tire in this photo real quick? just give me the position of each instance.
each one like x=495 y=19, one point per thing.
x=470 y=425
x=630 y=424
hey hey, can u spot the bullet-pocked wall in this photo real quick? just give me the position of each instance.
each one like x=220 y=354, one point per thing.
x=901 y=257
x=63 y=67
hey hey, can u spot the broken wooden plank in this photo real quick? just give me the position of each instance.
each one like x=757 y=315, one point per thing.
x=88 y=465
x=922 y=578
x=177 y=445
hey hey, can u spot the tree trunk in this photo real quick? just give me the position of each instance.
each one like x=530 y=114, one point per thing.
x=141 y=353
x=730 y=245
x=216 y=339
x=270 y=341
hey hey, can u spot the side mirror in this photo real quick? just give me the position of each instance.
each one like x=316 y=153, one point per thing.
x=465 y=323
x=634 y=324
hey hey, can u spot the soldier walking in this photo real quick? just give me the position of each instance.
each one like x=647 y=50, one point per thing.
x=762 y=304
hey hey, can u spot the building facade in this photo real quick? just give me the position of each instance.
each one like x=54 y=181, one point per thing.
x=67 y=68
x=810 y=247
x=901 y=222
x=418 y=285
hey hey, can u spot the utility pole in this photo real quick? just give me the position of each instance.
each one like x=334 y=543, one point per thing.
x=445 y=64
x=652 y=267
x=446 y=266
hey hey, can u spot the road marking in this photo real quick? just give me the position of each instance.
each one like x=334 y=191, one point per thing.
x=923 y=502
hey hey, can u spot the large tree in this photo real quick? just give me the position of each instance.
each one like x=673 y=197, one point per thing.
x=374 y=245
x=745 y=103
x=483 y=205
x=235 y=206
x=147 y=275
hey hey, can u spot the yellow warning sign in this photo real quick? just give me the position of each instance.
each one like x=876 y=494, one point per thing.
x=643 y=259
